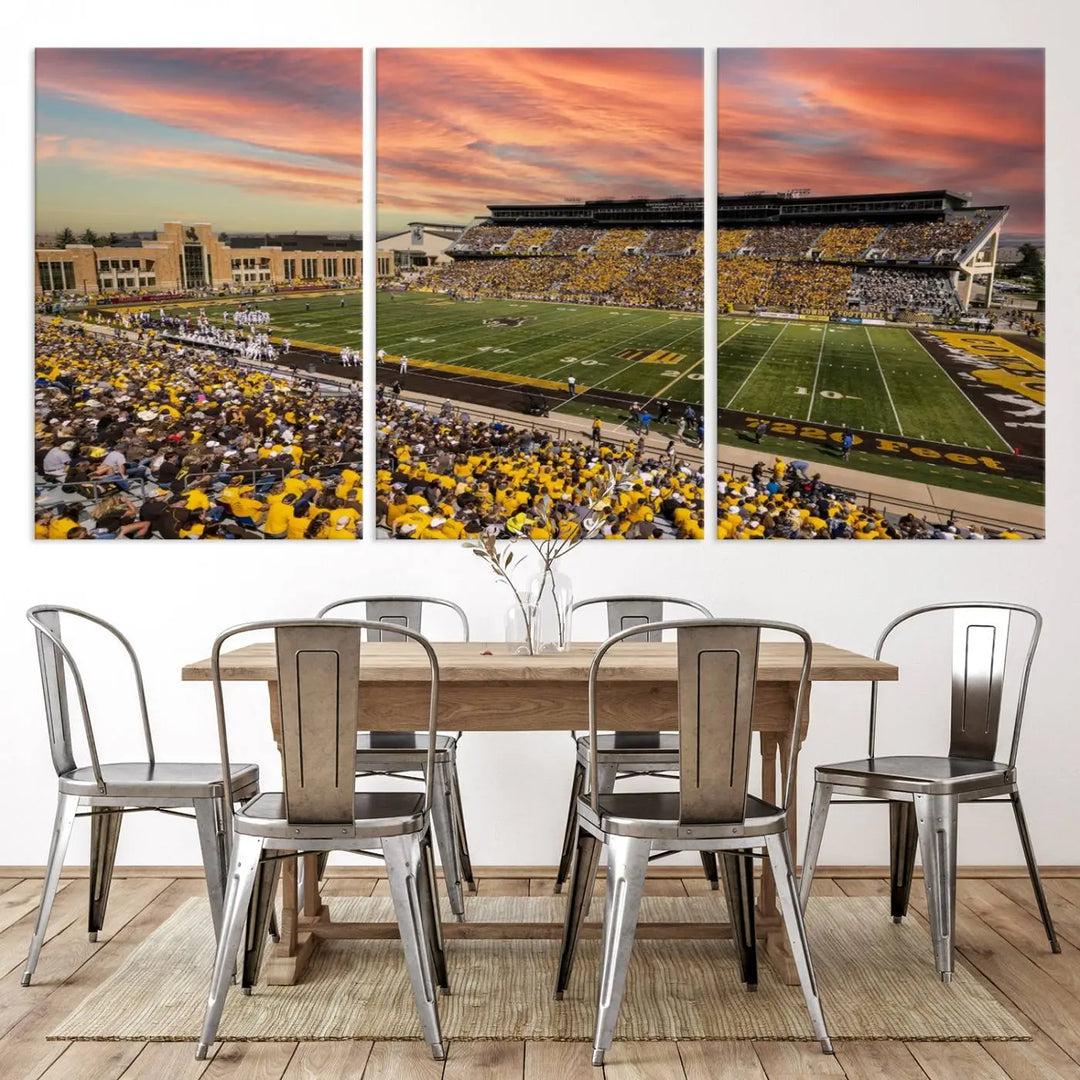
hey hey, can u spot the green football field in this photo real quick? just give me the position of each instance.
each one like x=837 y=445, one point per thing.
x=872 y=378
x=549 y=342
x=876 y=378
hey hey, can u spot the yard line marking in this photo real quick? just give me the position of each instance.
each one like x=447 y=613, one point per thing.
x=548 y=332
x=632 y=363
x=662 y=393
x=615 y=346
x=469 y=330
x=817 y=372
x=608 y=379
x=757 y=365
x=888 y=392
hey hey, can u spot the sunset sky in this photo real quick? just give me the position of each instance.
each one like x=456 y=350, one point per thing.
x=271 y=139
x=867 y=120
x=249 y=140
x=462 y=128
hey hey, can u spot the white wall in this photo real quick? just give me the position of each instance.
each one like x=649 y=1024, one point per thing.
x=172 y=599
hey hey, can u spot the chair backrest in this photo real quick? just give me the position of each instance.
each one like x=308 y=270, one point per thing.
x=55 y=661
x=624 y=612
x=318 y=674
x=980 y=636
x=717 y=678
x=388 y=611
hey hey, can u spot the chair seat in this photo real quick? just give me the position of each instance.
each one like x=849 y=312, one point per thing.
x=375 y=813
x=655 y=814
x=401 y=742
x=163 y=779
x=924 y=775
x=660 y=748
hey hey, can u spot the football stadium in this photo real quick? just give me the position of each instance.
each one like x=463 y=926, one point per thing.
x=854 y=330
x=553 y=344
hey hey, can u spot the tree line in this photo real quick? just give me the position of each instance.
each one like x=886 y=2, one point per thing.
x=67 y=236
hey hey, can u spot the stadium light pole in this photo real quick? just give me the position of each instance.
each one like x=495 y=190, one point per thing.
x=367 y=285
x=709 y=339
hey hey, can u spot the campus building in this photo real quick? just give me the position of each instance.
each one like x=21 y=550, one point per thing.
x=181 y=257
x=419 y=245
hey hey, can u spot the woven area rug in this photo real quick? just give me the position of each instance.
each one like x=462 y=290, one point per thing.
x=877 y=981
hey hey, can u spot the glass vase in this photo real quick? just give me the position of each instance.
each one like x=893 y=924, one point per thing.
x=520 y=629
x=552 y=596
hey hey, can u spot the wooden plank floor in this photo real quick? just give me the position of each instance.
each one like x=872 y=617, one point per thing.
x=998 y=933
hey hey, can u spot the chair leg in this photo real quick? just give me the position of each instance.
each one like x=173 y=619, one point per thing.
x=712 y=870
x=105 y=825
x=582 y=881
x=819 y=812
x=213 y=842
x=464 y=858
x=577 y=789
x=936 y=818
x=738 y=869
x=260 y=912
x=442 y=821
x=628 y=863
x=1033 y=871
x=903 y=839
x=402 y=855
x=427 y=889
x=66 y=805
x=606 y=775
x=246 y=855
x=783 y=871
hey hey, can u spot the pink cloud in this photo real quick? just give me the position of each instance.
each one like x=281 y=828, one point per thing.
x=461 y=128
x=336 y=185
x=838 y=120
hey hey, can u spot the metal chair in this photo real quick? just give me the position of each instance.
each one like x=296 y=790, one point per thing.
x=320 y=811
x=924 y=793
x=111 y=790
x=711 y=811
x=403 y=754
x=628 y=753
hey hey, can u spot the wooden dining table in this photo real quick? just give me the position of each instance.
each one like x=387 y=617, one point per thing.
x=485 y=687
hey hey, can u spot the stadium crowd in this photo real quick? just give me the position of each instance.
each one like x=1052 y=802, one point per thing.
x=880 y=289
x=150 y=438
x=782 y=241
x=846 y=241
x=569 y=241
x=932 y=240
x=445 y=476
x=784 y=502
x=818 y=287
x=665 y=281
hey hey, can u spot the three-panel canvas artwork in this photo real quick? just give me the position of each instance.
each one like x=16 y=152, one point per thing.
x=554 y=356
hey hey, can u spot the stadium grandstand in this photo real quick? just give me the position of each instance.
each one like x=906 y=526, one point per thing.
x=139 y=437
x=928 y=254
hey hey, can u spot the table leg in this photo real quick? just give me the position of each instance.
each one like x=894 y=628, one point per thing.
x=289 y=909
x=312 y=900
